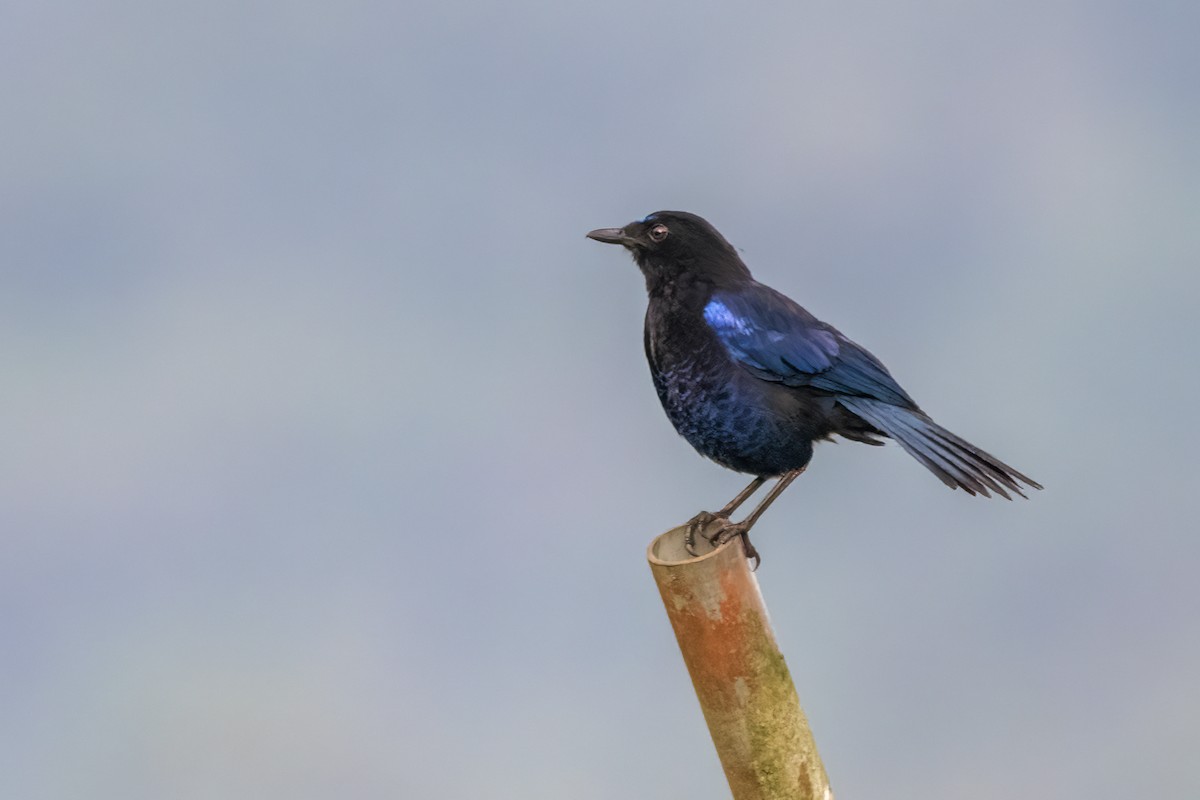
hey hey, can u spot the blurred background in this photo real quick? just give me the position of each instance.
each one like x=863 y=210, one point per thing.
x=329 y=453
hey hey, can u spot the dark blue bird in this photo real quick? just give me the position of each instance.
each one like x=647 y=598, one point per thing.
x=751 y=379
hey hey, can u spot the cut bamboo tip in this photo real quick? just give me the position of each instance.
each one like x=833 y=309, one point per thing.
x=743 y=685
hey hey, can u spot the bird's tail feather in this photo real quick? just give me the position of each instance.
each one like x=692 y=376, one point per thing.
x=957 y=462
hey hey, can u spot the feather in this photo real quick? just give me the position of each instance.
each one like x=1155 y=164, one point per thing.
x=956 y=461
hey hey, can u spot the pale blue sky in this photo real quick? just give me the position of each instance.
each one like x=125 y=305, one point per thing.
x=330 y=454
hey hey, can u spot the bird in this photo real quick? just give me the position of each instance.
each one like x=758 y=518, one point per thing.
x=752 y=380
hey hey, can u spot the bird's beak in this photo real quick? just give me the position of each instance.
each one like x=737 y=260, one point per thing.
x=610 y=236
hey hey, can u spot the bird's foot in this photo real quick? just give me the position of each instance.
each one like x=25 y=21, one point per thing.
x=738 y=529
x=696 y=525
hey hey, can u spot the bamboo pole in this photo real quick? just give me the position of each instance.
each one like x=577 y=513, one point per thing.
x=744 y=687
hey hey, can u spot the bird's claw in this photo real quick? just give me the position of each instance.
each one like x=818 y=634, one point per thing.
x=696 y=525
x=699 y=524
x=738 y=529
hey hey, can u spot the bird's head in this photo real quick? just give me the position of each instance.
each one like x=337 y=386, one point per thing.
x=669 y=245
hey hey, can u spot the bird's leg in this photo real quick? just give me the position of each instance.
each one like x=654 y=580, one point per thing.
x=698 y=522
x=743 y=528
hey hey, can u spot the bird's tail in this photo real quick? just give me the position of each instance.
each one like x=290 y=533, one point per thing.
x=956 y=462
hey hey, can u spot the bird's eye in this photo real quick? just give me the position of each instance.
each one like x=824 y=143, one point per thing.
x=658 y=233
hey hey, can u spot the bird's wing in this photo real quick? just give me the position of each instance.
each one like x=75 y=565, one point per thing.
x=777 y=340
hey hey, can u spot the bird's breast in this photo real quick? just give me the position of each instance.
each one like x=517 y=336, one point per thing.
x=723 y=411
x=728 y=415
